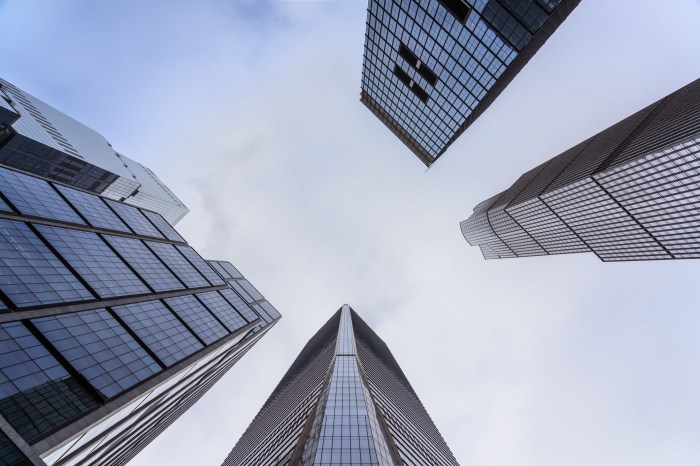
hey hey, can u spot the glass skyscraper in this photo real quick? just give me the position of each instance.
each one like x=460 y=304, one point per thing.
x=38 y=139
x=111 y=325
x=631 y=192
x=344 y=401
x=432 y=67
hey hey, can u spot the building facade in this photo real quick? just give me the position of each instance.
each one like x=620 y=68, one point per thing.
x=432 y=67
x=111 y=325
x=40 y=140
x=344 y=401
x=631 y=192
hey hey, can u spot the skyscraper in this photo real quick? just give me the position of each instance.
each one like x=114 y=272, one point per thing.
x=38 y=139
x=111 y=325
x=631 y=192
x=432 y=67
x=344 y=401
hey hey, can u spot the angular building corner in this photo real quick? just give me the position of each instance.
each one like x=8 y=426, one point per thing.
x=38 y=139
x=631 y=192
x=344 y=401
x=432 y=67
x=111 y=325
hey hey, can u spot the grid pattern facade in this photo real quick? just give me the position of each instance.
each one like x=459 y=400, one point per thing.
x=102 y=344
x=431 y=67
x=334 y=406
x=628 y=193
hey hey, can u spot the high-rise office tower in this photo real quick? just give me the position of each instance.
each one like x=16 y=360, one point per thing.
x=432 y=67
x=631 y=192
x=38 y=139
x=111 y=326
x=344 y=401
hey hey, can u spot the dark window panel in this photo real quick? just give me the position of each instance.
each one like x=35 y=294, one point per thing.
x=135 y=219
x=90 y=257
x=160 y=330
x=30 y=274
x=233 y=271
x=163 y=226
x=417 y=64
x=412 y=85
x=241 y=291
x=198 y=317
x=146 y=264
x=37 y=394
x=217 y=266
x=34 y=196
x=93 y=209
x=98 y=347
x=201 y=265
x=222 y=310
x=10 y=455
x=458 y=8
x=270 y=309
x=250 y=289
x=178 y=264
x=242 y=307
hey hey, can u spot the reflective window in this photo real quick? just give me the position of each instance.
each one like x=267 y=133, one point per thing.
x=135 y=219
x=233 y=271
x=222 y=310
x=201 y=265
x=250 y=289
x=217 y=266
x=99 y=348
x=37 y=394
x=4 y=206
x=200 y=320
x=239 y=289
x=163 y=226
x=34 y=196
x=88 y=254
x=160 y=330
x=146 y=264
x=93 y=209
x=242 y=307
x=30 y=274
x=270 y=309
x=10 y=455
x=178 y=264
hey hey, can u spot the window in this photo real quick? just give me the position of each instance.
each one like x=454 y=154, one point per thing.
x=458 y=8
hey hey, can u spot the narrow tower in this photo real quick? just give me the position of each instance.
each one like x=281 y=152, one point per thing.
x=344 y=401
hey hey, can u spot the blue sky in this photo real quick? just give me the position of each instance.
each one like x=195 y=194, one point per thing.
x=250 y=112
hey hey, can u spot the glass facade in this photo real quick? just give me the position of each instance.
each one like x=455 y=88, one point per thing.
x=344 y=401
x=47 y=143
x=433 y=66
x=102 y=342
x=627 y=193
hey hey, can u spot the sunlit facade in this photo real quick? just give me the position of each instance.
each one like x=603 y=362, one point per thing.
x=344 y=401
x=431 y=67
x=631 y=192
x=38 y=139
x=111 y=325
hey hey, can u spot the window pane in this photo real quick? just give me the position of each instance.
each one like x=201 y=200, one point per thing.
x=93 y=209
x=37 y=394
x=146 y=264
x=160 y=330
x=178 y=264
x=242 y=308
x=135 y=219
x=201 y=265
x=30 y=274
x=163 y=226
x=198 y=317
x=34 y=196
x=99 y=348
x=88 y=254
x=222 y=310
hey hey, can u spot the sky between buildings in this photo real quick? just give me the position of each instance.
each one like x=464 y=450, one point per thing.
x=250 y=112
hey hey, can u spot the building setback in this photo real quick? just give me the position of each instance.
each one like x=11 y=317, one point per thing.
x=111 y=325
x=40 y=140
x=344 y=401
x=631 y=192
x=432 y=67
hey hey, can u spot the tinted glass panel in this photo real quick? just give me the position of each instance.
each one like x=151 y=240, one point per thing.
x=201 y=265
x=34 y=196
x=270 y=309
x=88 y=254
x=252 y=291
x=160 y=330
x=37 y=394
x=93 y=209
x=4 y=206
x=217 y=266
x=233 y=271
x=30 y=274
x=10 y=455
x=239 y=289
x=178 y=264
x=135 y=219
x=146 y=264
x=100 y=349
x=222 y=310
x=242 y=307
x=200 y=320
x=163 y=226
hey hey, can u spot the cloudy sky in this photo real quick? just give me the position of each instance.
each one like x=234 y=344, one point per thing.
x=250 y=111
